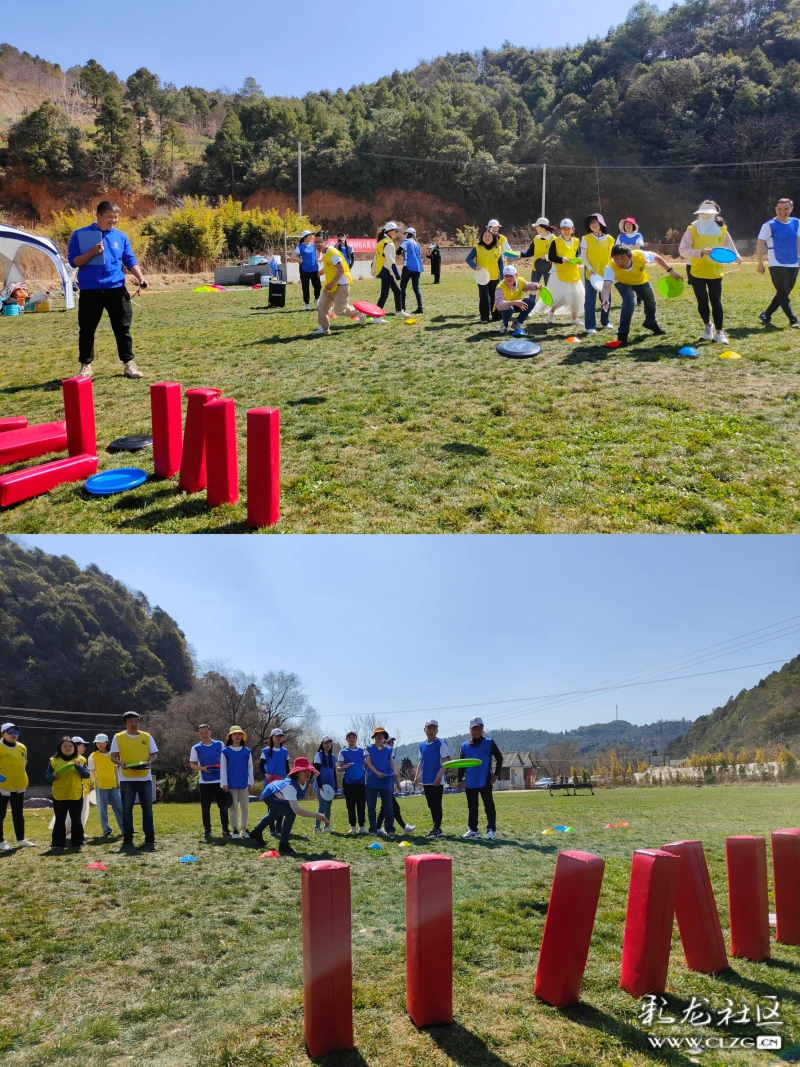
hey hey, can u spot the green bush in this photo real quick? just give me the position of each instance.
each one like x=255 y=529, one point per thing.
x=179 y=788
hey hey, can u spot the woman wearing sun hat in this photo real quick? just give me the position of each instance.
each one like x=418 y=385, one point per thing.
x=379 y=762
x=236 y=778
x=282 y=798
x=306 y=255
x=14 y=769
x=105 y=776
x=707 y=232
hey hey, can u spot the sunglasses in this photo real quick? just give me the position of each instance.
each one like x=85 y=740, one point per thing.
x=14 y=731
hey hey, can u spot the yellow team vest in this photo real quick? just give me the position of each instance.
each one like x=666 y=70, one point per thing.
x=567 y=272
x=134 y=750
x=705 y=267
x=598 y=253
x=13 y=762
x=489 y=259
x=541 y=246
x=380 y=261
x=105 y=770
x=330 y=267
x=517 y=293
x=68 y=785
x=502 y=240
x=637 y=275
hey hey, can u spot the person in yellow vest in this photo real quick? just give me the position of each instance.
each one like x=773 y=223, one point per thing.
x=627 y=271
x=595 y=251
x=134 y=751
x=510 y=296
x=502 y=240
x=386 y=269
x=81 y=746
x=702 y=236
x=67 y=772
x=105 y=778
x=487 y=255
x=335 y=295
x=566 y=287
x=13 y=783
x=538 y=250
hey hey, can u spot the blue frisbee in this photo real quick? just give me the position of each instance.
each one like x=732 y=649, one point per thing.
x=116 y=481
x=2 y=777
x=687 y=350
x=722 y=255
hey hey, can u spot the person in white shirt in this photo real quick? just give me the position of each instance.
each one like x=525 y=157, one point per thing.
x=707 y=232
x=780 y=239
x=134 y=752
x=205 y=759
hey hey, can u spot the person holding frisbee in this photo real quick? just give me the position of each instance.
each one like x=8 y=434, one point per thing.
x=435 y=256
x=236 y=778
x=335 y=295
x=478 y=781
x=510 y=297
x=351 y=763
x=413 y=267
x=325 y=762
x=566 y=287
x=14 y=772
x=305 y=253
x=780 y=239
x=274 y=764
x=134 y=751
x=487 y=255
x=627 y=271
x=595 y=251
x=433 y=752
x=282 y=798
x=105 y=778
x=205 y=759
x=379 y=762
x=67 y=772
x=539 y=250
x=703 y=273
x=386 y=269
x=82 y=746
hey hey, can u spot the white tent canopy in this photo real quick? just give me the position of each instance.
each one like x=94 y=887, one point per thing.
x=14 y=241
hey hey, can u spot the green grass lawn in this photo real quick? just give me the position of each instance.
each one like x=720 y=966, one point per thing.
x=167 y=964
x=424 y=428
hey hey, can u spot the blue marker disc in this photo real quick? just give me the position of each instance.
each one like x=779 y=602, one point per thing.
x=687 y=350
x=116 y=481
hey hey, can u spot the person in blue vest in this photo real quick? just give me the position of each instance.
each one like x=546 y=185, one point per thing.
x=205 y=759
x=306 y=255
x=433 y=752
x=325 y=762
x=274 y=763
x=351 y=763
x=236 y=778
x=408 y=827
x=343 y=245
x=379 y=762
x=282 y=798
x=780 y=239
x=413 y=267
x=479 y=780
x=100 y=252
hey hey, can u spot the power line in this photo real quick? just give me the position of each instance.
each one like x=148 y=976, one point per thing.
x=55 y=711
x=584 y=166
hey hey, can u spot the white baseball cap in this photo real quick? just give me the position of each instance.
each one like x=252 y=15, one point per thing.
x=306 y=233
x=477 y=721
x=542 y=222
x=101 y=737
x=78 y=741
x=391 y=226
x=324 y=739
x=7 y=726
x=492 y=222
x=277 y=733
x=509 y=269
x=411 y=230
x=431 y=722
x=567 y=222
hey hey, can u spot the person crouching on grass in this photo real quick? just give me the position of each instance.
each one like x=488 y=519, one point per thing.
x=627 y=271
x=67 y=771
x=335 y=295
x=282 y=798
x=509 y=296
x=100 y=252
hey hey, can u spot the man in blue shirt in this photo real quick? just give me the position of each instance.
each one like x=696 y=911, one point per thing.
x=412 y=267
x=100 y=252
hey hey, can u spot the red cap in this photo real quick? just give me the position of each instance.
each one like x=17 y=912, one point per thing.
x=302 y=764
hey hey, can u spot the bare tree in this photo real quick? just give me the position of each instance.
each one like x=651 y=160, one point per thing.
x=72 y=98
x=556 y=760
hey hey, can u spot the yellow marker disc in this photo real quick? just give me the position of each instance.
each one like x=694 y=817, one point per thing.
x=729 y=355
x=410 y=322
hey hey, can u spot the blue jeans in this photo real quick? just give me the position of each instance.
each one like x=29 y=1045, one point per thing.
x=629 y=294
x=277 y=810
x=386 y=806
x=324 y=807
x=129 y=791
x=508 y=313
x=104 y=797
x=590 y=307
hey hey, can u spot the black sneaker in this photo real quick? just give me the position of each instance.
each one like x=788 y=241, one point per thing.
x=286 y=850
x=207 y=835
x=656 y=329
x=623 y=340
x=226 y=833
x=764 y=319
x=795 y=324
x=432 y=833
x=128 y=839
x=256 y=835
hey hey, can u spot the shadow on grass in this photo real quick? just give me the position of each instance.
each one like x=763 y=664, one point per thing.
x=765 y=989
x=457 y=448
x=463 y=1047
x=306 y=400
x=183 y=510
x=447 y=318
x=629 y=1036
x=46 y=387
x=287 y=340
x=353 y=1058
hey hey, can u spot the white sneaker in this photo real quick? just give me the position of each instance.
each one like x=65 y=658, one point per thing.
x=608 y=326
x=306 y=307
x=4 y=846
x=721 y=337
x=316 y=305
x=591 y=331
x=235 y=835
x=85 y=371
x=25 y=843
x=363 y=830
x=576 y=322
x=245 y=834
x=409 y=829
x=362 y=318
x=326 y=829
x=490 y=834
x=382 y=320
x=383 y=832
x=708 y=332
x=131 y=370
x=353 y=831
x=549 y=318
x=404 y=314
x=319 y=332
x=470 y=835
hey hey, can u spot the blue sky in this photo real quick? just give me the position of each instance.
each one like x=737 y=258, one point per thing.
x=293 y=50
x=383 y=624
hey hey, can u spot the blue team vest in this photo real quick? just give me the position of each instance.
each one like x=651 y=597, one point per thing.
x=784 y=240
x=238 y=764
x=275 y=787
x=381 y=761
x=308 y=256
x=206 y=755
x=430 y=754
x=413 y=255
x=477 y=777
x=629 y=239
x=277 y=762
x=327 y=770
x=353 y=759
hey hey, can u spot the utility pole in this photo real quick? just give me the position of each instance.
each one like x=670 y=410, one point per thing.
x=597 y=182
x=299 y=179
x=544 y=187
x=616 y=713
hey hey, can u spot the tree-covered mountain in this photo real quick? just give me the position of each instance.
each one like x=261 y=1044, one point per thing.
x=77 y=640
x=766 y=715
x=705 y=82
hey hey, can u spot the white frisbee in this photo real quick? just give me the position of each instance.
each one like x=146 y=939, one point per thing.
x=327 y=792
x=93 y=798
x=597 y=282
x=481 y=276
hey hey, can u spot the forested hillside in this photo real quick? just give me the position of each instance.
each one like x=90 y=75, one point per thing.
x=708 y=81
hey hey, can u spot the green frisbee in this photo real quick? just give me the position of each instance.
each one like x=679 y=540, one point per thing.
x=65 y=767
x=670 y=287
x=545 y=296
x=457 y=764
x=137 y=766
x=575 y=259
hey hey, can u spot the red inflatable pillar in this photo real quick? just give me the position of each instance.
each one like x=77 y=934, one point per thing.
x=263 y=466
x=327 y=957
x=222 y=461
x=568 y=927
x=429 y=939
x=193 y=459
x=696 y=910
x=648 y=921
x=786 y=878
x=748 y=900
x=13 y=422
x=165 y=416
x=79 y=413
x=33 y=481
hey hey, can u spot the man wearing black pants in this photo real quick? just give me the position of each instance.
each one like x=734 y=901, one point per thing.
x=433 y=752
x=479 y=780
x=100 y=252
x=206 y=759
x=780 y=239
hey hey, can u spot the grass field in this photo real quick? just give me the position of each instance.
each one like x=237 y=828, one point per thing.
x=424 y=428
x=167 y=964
